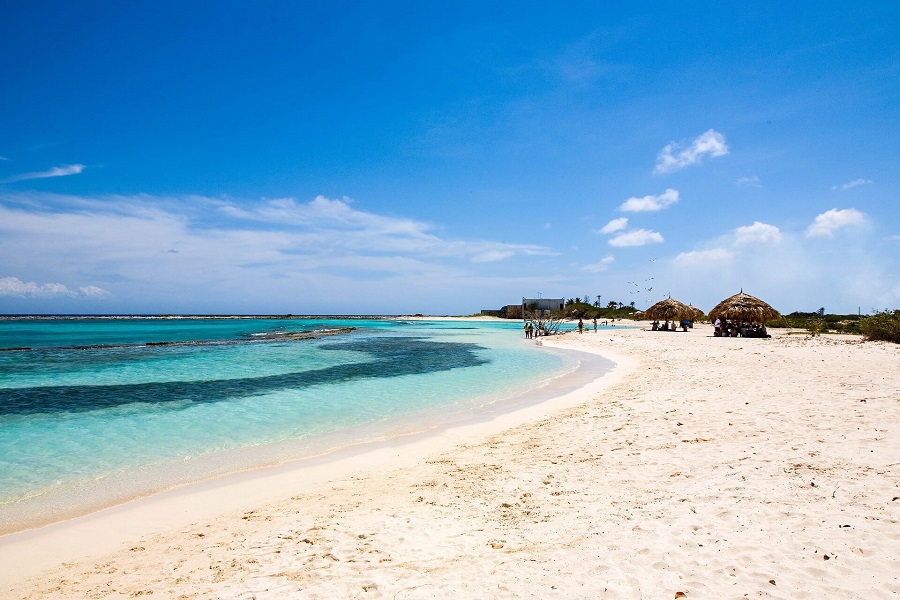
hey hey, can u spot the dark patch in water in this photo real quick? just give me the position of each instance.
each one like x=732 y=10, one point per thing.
x=268 y=336
x=391 y=357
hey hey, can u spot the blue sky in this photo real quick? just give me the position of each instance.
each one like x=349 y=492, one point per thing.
x=402 y=157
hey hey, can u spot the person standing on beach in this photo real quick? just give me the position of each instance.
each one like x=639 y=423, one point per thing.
x=580 y=326
x=595 y=324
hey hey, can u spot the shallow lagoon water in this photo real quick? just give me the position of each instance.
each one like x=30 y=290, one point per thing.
x=92 y=415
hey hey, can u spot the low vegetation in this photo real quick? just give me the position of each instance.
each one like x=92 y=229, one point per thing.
x=576 y=308
x=882 y=327
x=816 y=324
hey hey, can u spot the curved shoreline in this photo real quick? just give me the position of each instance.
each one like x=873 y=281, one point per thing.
x=31 y=550
x=90 y=496
x=725 y=467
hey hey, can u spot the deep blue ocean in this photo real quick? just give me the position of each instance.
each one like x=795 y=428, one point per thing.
x=95 y=411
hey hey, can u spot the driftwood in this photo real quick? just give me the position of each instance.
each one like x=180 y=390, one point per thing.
x=544 y=322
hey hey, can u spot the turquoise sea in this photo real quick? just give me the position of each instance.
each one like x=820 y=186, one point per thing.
x=95 y=411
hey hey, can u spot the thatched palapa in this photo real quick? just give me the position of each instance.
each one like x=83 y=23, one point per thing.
x=744 y=307
x=698 y=314
x=669 y=309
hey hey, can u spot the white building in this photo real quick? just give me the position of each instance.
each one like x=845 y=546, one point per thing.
x=542 y=305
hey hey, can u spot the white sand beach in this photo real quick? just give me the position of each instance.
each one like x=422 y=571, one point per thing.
x=700 y=468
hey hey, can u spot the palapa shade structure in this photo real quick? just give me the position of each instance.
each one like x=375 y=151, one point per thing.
x=669 y=309
x=744 y=307
x=698 y=314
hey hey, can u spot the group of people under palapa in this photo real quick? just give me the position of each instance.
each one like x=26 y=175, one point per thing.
x=728 y=328
x=685 y=323
x=722 y=328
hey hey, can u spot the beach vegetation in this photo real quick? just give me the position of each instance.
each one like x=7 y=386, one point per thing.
x=576 y=308
x=815 y=326
x=883 y=326
x=816 y=323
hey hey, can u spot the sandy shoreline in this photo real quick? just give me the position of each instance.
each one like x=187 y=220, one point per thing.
x=720 y=468
x=581 y=368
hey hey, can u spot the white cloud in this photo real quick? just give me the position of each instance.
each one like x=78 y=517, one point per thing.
x=615 y=225
x=13 y=286
x=758 y=233
x=797 y=273
x=54 y=172
x=92 y=291
x=852 y=184
x=636 y=237
x=672 y=158
x=159 y=254
x=598 y=267
x=830 y=221
x=709 y=257
x=650 y=203
x=493 y=255
x=752 y=181
x=325 y=212
x=334 y=224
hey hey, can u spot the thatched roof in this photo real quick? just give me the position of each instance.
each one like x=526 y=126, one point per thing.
x=698 y=314
x=669 y=309
x=744 y=307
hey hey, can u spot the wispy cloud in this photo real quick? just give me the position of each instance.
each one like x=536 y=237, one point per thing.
x=322 y=254
x=758 y=233
x=322 y=212
x=674 y=158
x=650 y=203
x=751 y=181
x=709 y=257
x=852 y=184
x=13 y=286
x=825 y=224
x=54 y=172
x=614 y=225
x=601 y=266
x=336 y=224
x=636 y=237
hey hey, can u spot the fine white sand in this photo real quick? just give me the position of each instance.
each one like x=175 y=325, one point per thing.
x=703 y=467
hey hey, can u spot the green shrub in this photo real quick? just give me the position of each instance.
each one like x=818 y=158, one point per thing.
x=882 y=327
x=830 y=323
x=582 y=310
x=815 y=326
